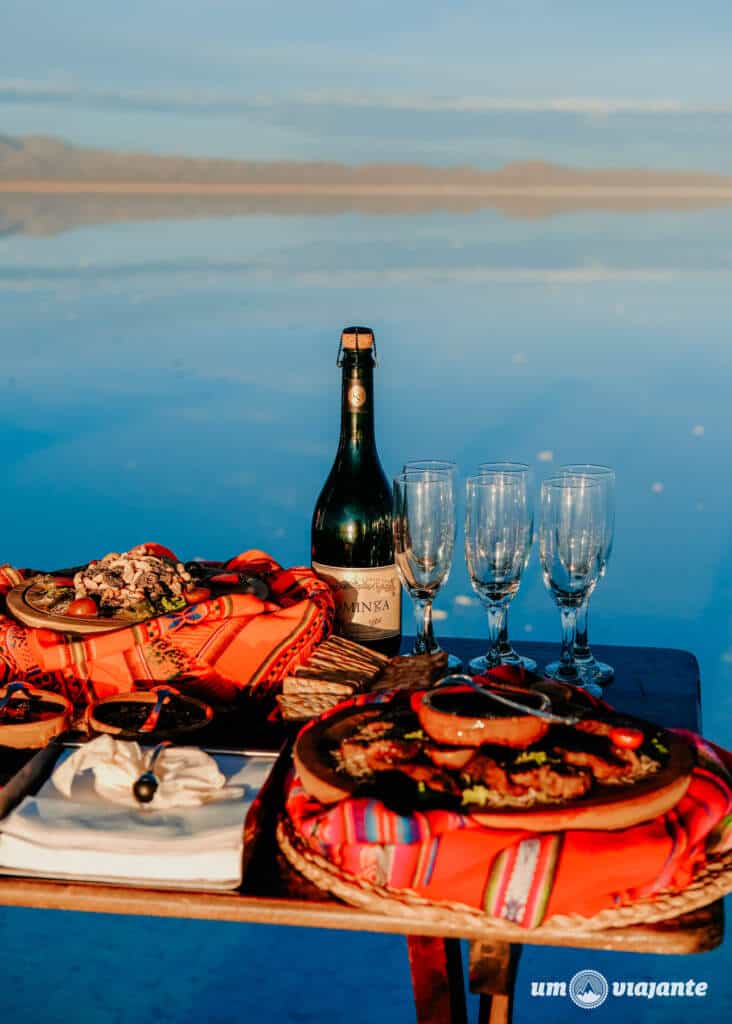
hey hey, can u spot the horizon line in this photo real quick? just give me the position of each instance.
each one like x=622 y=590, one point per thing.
x=32 y=186
x=22 y=91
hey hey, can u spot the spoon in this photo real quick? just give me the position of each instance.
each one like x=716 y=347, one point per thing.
x=146 y=786
x=542 y=712
x=151 y=721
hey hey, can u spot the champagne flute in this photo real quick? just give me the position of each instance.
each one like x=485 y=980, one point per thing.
x=431 y=466
x=571 y=538
x=436 y=466
x=588 y=666
x=498 y=534
x=424 y=542
x=523 y=473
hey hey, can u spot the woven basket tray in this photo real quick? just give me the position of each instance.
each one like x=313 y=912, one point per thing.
x=713 y=882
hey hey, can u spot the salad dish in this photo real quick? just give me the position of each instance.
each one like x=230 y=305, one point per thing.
x=121 y=589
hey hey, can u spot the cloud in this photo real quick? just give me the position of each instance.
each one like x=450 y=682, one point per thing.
x=205 y=102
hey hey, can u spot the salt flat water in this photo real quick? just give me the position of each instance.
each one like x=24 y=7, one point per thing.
x=176 y=381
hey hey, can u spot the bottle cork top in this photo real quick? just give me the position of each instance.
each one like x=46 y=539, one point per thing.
x=357 y=338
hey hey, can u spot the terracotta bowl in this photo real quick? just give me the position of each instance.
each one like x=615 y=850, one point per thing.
x=125 y=715
x=32 y=717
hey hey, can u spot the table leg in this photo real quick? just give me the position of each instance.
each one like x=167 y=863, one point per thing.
x=437 y=980
x=493 y=976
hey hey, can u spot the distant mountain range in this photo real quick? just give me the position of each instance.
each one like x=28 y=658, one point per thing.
x=48 y=185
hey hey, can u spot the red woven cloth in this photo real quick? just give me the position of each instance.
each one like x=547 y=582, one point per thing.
x=215 y=648
x=521 y=876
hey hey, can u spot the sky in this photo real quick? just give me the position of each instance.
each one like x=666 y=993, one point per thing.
x=592 y=84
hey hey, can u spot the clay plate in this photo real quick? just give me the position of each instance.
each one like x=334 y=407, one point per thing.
x=612 y=807
x=21 y=604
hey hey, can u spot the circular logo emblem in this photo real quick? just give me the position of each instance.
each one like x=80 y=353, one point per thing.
x=356 y=396
x=588 y=989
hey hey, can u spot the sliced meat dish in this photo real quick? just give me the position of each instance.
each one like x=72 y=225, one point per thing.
x=432 y=777
x=604 y=768
x=383 y=755
x=484 y=771
x=562 y=783
x=449 y=757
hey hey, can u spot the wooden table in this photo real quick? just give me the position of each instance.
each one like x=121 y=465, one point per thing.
x=661 y=684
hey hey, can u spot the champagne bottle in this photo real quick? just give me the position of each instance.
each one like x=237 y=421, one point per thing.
x=352 y=542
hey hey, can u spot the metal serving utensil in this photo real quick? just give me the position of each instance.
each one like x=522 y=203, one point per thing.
x=163 y=694
x=13 y=688
x=545 y=712
x=146 y=786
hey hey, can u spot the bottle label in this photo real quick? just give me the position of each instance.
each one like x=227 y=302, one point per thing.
x=356 y=396
x=367 y=601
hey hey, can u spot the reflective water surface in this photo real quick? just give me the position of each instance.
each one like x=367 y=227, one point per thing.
x=176 y=381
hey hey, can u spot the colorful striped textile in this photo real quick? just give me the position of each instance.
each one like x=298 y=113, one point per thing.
x=524 y=877
x=213 y=649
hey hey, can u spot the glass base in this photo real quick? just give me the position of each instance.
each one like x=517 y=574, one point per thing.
x=479 y=666
x=596 y=671
x=512 y=657
x=583 y=681
x=454 y=664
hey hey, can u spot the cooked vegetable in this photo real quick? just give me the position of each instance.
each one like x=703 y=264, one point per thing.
x=626 y=737
x=124 y=581
x=85 y=607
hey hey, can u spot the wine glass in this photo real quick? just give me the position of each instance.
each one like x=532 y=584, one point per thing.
x=498 y=534
x=523 y=473
x=424 y=541
x=587 y=665
x=571 y=542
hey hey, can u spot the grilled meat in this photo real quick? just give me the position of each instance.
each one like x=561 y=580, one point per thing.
x=558 y=783
x=485 y=771
x=383 y=755
x=449 y=757
x=605 y=768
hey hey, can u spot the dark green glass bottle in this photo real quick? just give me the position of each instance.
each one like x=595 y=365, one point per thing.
x=352 y=542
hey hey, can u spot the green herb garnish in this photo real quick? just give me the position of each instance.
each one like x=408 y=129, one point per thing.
x=476 y=795
x=532 y=757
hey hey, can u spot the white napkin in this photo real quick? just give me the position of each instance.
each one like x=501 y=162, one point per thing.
x=85 y=835
x=187 y=776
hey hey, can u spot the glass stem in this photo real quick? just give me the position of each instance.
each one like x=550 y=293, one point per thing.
x=504 y=644
x=424 y=641
x=496 y=618
x=568 y=617
x=582 y=650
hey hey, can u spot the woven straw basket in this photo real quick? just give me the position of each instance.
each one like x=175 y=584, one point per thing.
x=711 y=883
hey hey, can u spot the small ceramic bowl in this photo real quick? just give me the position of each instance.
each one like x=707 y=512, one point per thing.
x=149 y=715
x=29 y=718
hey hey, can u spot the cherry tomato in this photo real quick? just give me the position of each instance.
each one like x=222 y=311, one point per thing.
x=83 y=607
x=197 y=594
x=225 y=579
x=63 y=581
x=627 y=737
